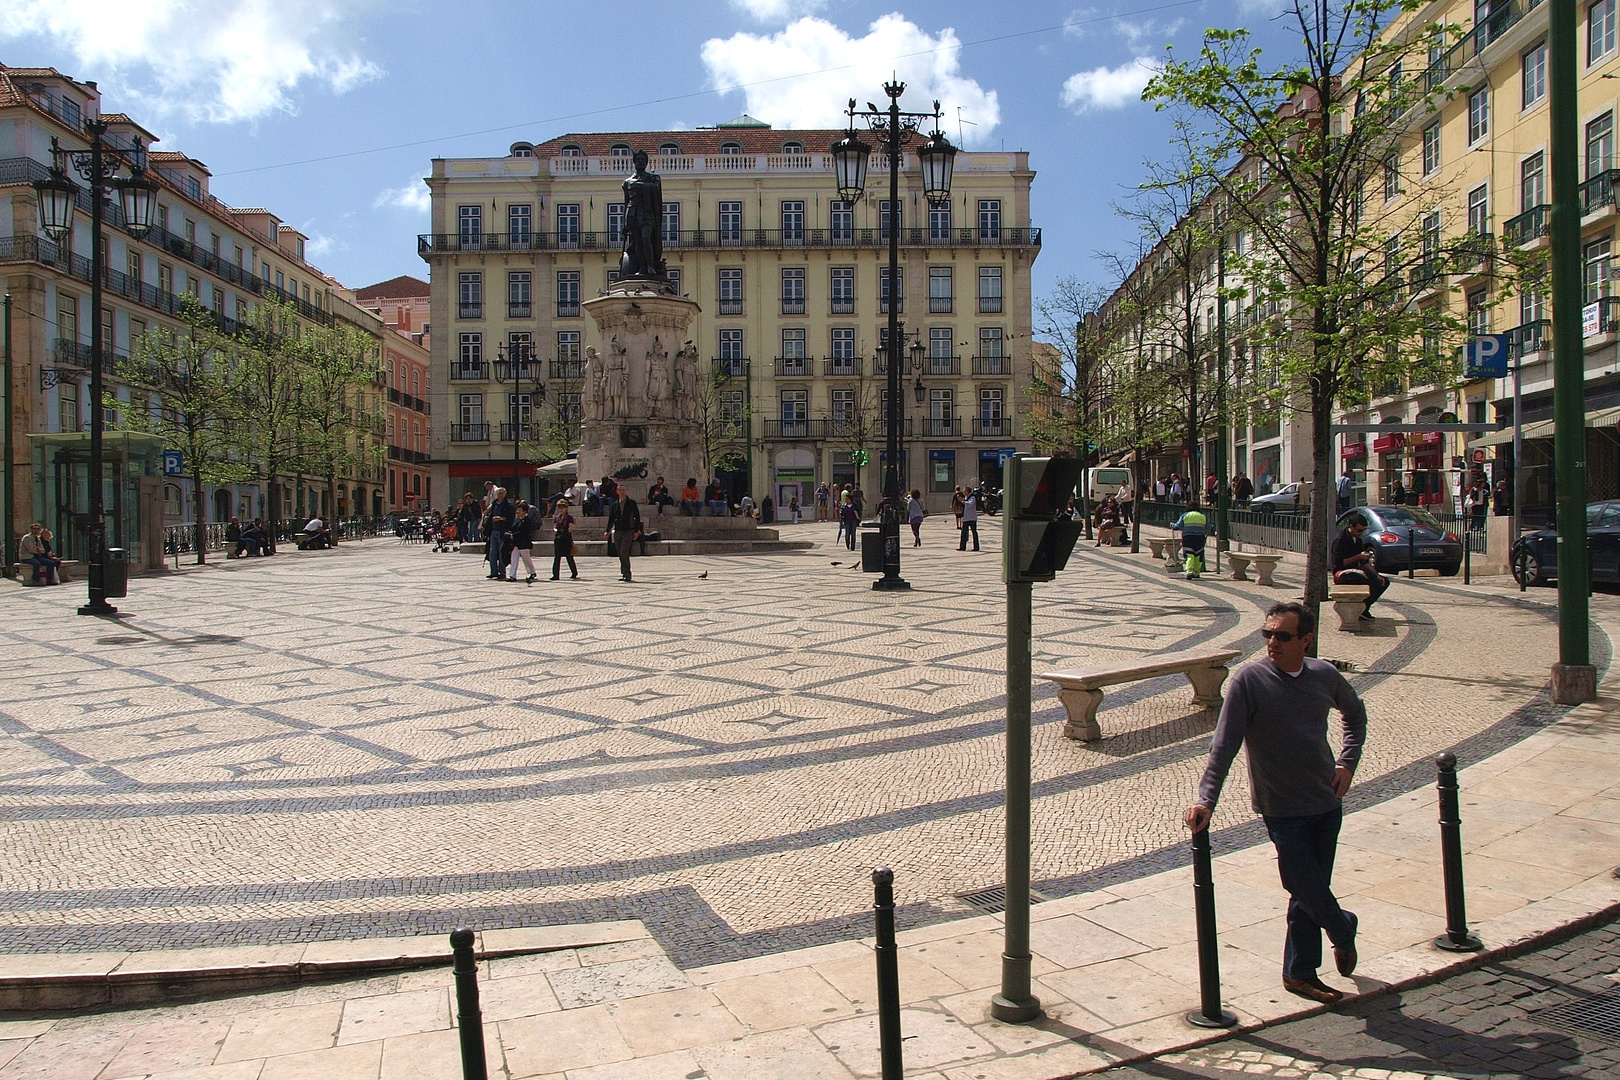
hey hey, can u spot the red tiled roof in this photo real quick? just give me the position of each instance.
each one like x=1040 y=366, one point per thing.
x=706 y=141
x=394 y=289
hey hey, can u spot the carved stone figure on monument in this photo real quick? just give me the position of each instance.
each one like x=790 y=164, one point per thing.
x=658 y=372
x=686 y=382
x=617 y=381
x=593 y=383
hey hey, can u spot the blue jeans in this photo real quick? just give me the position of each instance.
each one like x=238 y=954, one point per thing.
x=492 y=553
x=1305 y=849
x=717 y=508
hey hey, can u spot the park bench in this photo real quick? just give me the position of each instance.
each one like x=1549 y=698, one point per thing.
x=1264 y=565
x=1349 y=601
x=1110 y=535
x=1080 y=688
x=1161 y=544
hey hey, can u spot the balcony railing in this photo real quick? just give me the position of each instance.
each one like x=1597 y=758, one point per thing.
x=941 y=427
x=469 y=433
x=527 y=432
x=519 y=311
x=993 y=428
x=568 y=369
x=793 y=305
x=1473 y=249
x=731 y=307
x=409 y=401
x=1532 y=337
x=1599 y=191
x=939 y=305
x=992 y=365
x=989 y=305
x=430 y=244
x=1528 y=226
x=567 y=311
x=1486 y=30
x=1426 y=272
x=470 y=311
x=792 y=367
x=844 y=366
x=843 y=307
x=414 y=457
x=731 y=367
x=1608 y=315
x=797 y=429
x=942 y=365
x=468 y=372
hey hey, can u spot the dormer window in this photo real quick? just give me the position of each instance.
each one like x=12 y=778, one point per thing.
x=621 y=150
x=730 y=148
x=793 y=148
x=572 y=150
x=299 y=244
x=70 y=113
x=194 y=188
x=522 y=149
x=669 y=149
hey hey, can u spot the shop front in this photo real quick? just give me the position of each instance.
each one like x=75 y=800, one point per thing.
x=1428 y=482
x=1390 y=451
x=793 y=476
x=1353 y=457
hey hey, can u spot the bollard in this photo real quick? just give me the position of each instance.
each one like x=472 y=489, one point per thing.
x=888 y=975
x=1411 y=553
x=468 y=1018
x=1456 y=938
x=1210 y=1014
x=1468 y=550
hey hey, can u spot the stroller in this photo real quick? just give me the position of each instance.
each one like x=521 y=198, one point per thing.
x=446 y=539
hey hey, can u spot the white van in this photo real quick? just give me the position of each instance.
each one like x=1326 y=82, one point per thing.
x=1106 y=481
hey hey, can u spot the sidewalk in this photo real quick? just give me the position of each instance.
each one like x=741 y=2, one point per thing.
x=1115 y=968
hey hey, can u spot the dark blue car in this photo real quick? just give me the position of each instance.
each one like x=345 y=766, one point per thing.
x=1534 y=558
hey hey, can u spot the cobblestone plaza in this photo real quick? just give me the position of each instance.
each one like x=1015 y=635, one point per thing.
x=377 y=741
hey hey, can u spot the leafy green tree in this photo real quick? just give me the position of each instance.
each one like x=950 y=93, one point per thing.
x=267 y=418
x=333 y=364
x=194 y=401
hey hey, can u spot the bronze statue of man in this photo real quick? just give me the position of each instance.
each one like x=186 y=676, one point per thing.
x=643 y=223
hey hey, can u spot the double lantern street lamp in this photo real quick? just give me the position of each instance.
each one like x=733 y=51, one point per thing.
x=102 y=167
x=520 y=367
x=893 y=130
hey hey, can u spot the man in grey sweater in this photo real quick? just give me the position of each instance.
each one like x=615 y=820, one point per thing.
x=1277 y=708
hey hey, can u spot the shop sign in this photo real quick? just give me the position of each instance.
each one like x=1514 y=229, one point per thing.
x=1591 y=320
x=1353 y=450
x=1428 y=438
x=1479 y=457
x=1388 y=444
x=788 y=475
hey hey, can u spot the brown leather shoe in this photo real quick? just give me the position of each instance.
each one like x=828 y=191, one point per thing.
x=1313 y=988
x=1345 y=959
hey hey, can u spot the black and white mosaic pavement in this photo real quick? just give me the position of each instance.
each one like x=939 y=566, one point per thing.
x=378 y=741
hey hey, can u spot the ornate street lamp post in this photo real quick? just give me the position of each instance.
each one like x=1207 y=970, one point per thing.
x=102 y=166
x=894 y=129
x=520 y=368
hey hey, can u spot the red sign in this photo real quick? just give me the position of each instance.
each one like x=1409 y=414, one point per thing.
x=1353 y=450
x=1479 y=457
x=491 y=470
x=1428 y=438
x=1386 y=444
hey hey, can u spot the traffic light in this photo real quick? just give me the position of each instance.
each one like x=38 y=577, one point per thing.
x=1038 y=533
x=858 y=458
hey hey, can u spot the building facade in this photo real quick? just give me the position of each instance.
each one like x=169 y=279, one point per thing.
x=407 y=368
x=793 y=290
x=230 y=259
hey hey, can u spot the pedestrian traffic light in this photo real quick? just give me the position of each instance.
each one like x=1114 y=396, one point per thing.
x=1038 y=532
x=858 y=458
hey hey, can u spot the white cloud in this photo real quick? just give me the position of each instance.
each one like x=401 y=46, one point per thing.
x=778 y=11
x=1108 y=88
x=413 y=195
x=201 y=59
x=1151 y=32
x=802 y=76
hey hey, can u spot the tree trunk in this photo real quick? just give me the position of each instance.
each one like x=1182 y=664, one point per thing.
x=1323 y=503
x=331 y=495
x=202 y=516
x=272 y=514
x=1136 y=505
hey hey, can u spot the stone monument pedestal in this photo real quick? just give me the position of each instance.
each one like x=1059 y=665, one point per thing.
x=641 y=391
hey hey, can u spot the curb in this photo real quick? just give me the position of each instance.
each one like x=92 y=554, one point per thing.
x=50 y=982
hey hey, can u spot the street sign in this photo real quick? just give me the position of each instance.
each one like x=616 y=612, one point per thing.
x=1003 y=454
x=1479 y=457
x=1486 y=357
x=174 y=462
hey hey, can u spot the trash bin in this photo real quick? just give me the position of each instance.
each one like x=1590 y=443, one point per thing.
x=767 y=511
x=871 y=549
x=114 y=573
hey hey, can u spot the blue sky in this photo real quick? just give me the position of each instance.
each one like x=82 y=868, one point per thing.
x=328 y=111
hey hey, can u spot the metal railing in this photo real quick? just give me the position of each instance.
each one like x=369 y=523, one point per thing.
x=731 y=368
x=428 y=244
x=568 y=369
x=182 y=539
x=1531 y=337
x=941 y=427
x=469 y=433
x=470 y=311
x=942 y=365
x=1599 y=191
x=1528 y=226
x=797 y=429
x=791 y=367
x=528 y=432
x=468 y=372
x=992 y=365
x=1486 y=30
x=846 y=366
x=1000 y=427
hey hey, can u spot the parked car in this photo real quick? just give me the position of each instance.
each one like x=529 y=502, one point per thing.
x=1404 y=537
x=1290 y=498
x=1534 y=557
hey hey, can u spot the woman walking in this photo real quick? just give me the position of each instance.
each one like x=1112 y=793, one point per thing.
x=624 y=529
x=562 y=547
x=916 y=513
x=849 y=520
x=522 y=541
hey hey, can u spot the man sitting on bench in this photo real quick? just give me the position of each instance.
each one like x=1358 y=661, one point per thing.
x=1354 y=563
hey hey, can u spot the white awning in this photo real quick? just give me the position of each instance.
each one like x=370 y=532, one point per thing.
x=1543 y=429
x=565 y=467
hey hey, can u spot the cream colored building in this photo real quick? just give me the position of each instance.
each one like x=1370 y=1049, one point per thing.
x=230 y=258
x=792 y=289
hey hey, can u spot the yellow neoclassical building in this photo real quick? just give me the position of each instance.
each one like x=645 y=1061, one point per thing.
x=793 y=290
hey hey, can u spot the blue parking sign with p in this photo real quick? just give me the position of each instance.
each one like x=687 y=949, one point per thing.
x=1486 y=357
x=174 y=462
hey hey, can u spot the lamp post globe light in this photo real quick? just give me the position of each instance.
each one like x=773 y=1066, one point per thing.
x=893 y=130
x=103 y=166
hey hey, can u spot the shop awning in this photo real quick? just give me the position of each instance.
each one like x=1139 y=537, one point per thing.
x=565 y=467
x=1543 y=429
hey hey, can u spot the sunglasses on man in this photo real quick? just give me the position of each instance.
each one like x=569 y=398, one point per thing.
x=1284 y=636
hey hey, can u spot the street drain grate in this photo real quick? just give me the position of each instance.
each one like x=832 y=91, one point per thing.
x=993 y=901
x=1596 y=1014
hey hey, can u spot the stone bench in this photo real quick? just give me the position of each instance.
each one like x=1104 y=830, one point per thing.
x=1080 y=688
x=1162 y=544
x=1349 y=601
x=1110 y=535
x=1264 y=565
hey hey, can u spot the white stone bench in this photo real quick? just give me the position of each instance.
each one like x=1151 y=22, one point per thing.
x=1109 y=535
x=1161 y=544
x=1079 y=688
x=1264 y=566
x=1349 y=601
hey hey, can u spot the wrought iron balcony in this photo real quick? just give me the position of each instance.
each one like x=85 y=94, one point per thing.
x=465 y=433
x=942 y=365
x=793 y=305
x=941 y=427
x=792 y=367
x=519 y=311
x=1528 y=226
x=997 y=427
x=731 y=368
x=797 y=429
x=527 y=432
x=992 y=365
x=989 y=305
x=477 y=372
x=1599 y=191
x=470 y=311
x=731 y=307
x=567 y=311
x=1532 y=337
x=841 y=366
x=842 y=306
x=940 y=305
x=429 y=245
x=567 y=369
x=1503 y=16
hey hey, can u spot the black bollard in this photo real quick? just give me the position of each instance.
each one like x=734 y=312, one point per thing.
x=1456 y=938
x=468 y=1017
x=1411 y=553
x=888 y=975
x=1468 y=551
x=1210 y=1013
